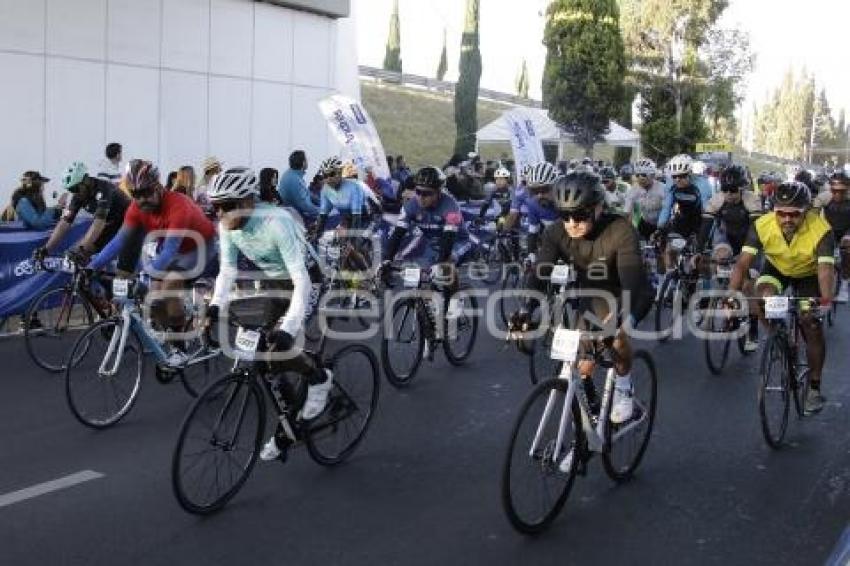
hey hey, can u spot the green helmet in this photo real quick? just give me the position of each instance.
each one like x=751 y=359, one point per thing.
x=74 y=175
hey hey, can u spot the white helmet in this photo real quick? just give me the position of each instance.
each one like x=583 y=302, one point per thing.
x=235 y=183
x=698 y=167
x=542 y=173
x=680 y=165
x=646 y=167
x=502 y=173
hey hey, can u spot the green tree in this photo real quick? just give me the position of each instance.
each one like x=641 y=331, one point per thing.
x=466 y=90
x=583 y=80
x=522 y=80
x=392 y=58
x=443 y=66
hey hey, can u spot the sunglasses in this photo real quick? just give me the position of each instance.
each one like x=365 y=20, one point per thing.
x=425 y=193
x=682 y=176
x=226 y=206
x=142 y=193
x=729 y=189
x=791 y=214
x=580 y=215
x=642 y=175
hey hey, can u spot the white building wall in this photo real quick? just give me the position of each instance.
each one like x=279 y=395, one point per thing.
x=172 y=80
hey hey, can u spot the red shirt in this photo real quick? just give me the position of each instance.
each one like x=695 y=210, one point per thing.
x=177 y=212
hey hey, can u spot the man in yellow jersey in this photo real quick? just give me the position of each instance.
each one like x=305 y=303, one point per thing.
x=798 y=247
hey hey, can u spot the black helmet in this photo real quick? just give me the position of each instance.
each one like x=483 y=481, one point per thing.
x=806 y=178
x=608 y=173
x=793 y=194
x=734 y=176
x=430 y=177
x=578 y=190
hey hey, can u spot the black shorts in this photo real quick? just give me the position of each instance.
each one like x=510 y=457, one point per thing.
x=803 y=286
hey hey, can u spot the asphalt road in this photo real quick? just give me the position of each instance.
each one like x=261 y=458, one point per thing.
x=423 y=488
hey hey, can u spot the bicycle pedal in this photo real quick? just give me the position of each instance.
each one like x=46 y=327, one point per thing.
x=165 y=375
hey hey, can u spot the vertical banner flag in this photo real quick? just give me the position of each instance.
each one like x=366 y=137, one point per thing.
x=526 y=145
x=352 y=126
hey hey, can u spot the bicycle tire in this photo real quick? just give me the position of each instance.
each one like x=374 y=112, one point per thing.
x=547 y=463
x=774 y=350
x=458 y=358
x=541 y=366
x=197 y=377
x=217 y=392
x=661 y=306
x=341 y=399
x=401 y=379
x=507 y=306
x=102 y=330
x=716 y=327
x=649 y=383
x=37 y=349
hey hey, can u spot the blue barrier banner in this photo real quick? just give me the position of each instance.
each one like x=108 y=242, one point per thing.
x=20 y=283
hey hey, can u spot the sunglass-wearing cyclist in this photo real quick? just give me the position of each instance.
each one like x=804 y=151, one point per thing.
x=645 y=198
x=798 y=247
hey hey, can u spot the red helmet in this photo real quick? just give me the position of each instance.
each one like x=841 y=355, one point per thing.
x=142 y=175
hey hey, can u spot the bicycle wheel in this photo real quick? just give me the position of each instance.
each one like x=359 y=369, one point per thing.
x=98 y=396
x=718 y=341
x=534 y=489
x=312 y=327
x=52 y=324
x=196 y=377
x=335 y=434
x=403 y=343
x=218 y=444
x=667 y=307
x=627 y=441
x=774 y=393
x=460 y=332
x=509 y=304
x=541 y=366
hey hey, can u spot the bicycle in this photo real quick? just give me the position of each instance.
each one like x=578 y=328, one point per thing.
x=108 y=360
x=677 y=286
x=494 y=250
x=784 y=370
x=415 y=320
x=56 y=317
x=559 y=428
x=722 y=328
x=227 y=421
x=516 y=276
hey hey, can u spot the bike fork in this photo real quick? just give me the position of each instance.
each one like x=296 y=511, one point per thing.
x=116 y=346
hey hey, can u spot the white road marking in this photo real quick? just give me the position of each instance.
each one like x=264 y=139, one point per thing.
x=47 y=487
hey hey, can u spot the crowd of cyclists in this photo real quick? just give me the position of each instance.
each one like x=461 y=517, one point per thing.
x=621 y=232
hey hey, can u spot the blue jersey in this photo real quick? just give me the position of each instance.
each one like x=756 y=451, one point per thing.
x=445 y=216
x=347 y=199
x=538 y=215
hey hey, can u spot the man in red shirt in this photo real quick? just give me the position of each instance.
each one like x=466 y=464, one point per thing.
x=183 y=237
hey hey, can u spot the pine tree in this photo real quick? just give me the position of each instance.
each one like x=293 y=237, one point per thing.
x=583 y=81
x=522 y=80
x=466 y=91
x=392 y=58
x=444 y=60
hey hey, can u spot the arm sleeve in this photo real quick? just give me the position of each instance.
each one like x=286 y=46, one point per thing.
x=110 y=251
x=630 y=271
x=547 y=255
x=32 y=218
x=666 y=209
x=291 y=248
x=704 y=230
x=227 y=269
x=826 y=248
x=752 y=243
x=131 y=250
x=167 y=252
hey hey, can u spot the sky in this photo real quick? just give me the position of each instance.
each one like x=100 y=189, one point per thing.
x=810 y=34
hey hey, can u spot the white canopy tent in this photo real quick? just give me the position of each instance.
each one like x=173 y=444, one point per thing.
x=499 y=131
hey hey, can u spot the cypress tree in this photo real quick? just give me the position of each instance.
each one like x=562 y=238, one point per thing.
x=466 y=91
x=392 y=58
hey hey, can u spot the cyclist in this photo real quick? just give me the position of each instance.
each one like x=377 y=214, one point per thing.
x=537 y=200
x=502 y=195
x=596 y=242
x=682 y=210
x=188 y=244
x=98 y=197
x=835 y=209
x=344 y=195
x=615 y=198
x=726 y=222
x=645 y=198
x=798 y=247
x=274 y=241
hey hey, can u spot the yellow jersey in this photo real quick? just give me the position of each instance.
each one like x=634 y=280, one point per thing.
x=799 y=257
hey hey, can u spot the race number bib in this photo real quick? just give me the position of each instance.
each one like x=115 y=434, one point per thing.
x=412 y=276
x=247 y=341
x=724 y=271
x=562 y=275
x=775 y=307
x=120 y=287
x=565 y=345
